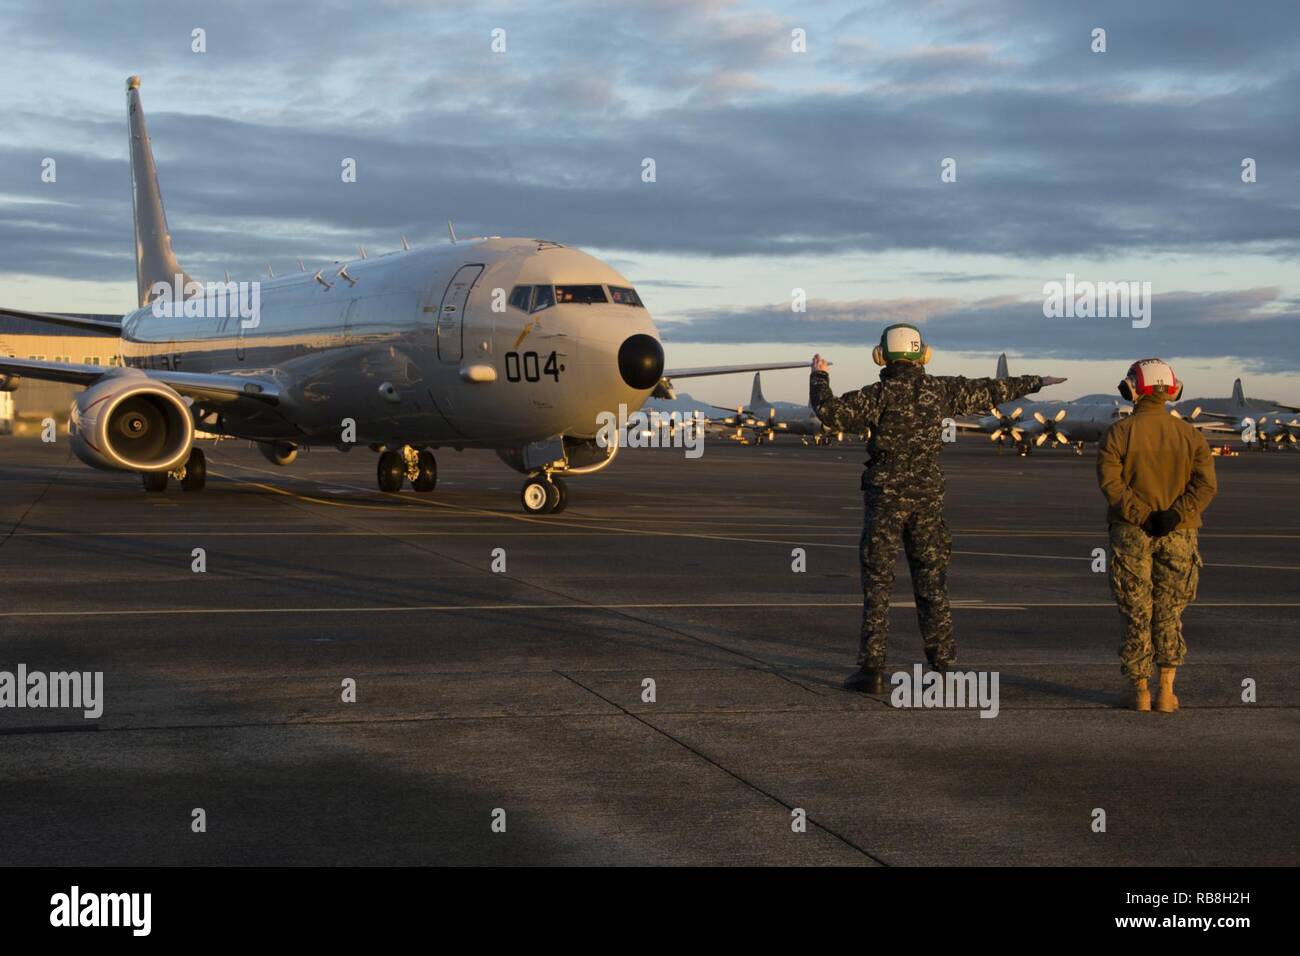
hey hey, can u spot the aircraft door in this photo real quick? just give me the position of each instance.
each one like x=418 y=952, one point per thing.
x=451 y=312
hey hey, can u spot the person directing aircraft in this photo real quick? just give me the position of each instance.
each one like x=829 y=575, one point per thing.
x=903 y=484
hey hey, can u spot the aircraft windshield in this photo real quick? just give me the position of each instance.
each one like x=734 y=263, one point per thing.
x=581 y=294
x=625 y=296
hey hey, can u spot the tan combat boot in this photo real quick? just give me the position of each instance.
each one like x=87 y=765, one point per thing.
x=1166 y=702
x=1141 y=695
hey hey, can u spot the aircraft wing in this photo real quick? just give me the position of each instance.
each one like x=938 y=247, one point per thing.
x=99 y=324
x=665 y=387
x=731 y=369
x=212 y=387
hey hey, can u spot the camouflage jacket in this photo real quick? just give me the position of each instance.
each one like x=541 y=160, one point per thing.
x=904 y=412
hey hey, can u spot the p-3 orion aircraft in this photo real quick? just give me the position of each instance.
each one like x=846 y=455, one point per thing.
x=516 y=345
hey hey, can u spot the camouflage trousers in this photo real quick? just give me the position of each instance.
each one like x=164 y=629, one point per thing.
x=918 y=525
x=1152 y=579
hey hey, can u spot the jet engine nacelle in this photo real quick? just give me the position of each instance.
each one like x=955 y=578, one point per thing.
x=130 y=423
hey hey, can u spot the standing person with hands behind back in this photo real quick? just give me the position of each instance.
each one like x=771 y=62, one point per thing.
x=903 y=485
x=1158 y=476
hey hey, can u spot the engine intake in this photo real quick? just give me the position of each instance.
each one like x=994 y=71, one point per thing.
x=129 y=423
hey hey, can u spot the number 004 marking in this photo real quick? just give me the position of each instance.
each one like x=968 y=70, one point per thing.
x=529 y=367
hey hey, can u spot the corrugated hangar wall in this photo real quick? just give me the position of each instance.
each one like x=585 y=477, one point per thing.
x=34 y=400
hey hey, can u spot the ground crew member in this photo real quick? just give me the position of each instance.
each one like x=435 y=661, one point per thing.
x=903 y=485
x=1157 y=474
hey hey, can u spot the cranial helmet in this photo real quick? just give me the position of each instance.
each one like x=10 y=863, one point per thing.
x=1145 y=376
x=901 y=343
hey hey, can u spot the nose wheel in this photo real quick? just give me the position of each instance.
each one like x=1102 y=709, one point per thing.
x=543 y=494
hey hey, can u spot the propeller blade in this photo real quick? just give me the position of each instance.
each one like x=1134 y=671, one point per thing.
x=1061 y=437
x=1038 y=417
x=1017 y=434
x=1040 y=439
x=1060 y=415
x=1017 y=413
x=994 y=412
x=997 y=433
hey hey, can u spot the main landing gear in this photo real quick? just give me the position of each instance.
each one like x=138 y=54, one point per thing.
x=192 y=475
x=544 y=494
x=407 y=464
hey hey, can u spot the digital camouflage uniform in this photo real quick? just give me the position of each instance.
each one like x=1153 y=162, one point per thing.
x=1153 y=580
x=1147 y=462
x=903 y=489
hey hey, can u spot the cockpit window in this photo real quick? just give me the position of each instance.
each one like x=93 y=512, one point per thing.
x=622 y=295
x=581 y=294
x=520 y=297
x=543 y=297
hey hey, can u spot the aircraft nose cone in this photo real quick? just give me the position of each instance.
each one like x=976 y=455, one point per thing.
x=641 y=361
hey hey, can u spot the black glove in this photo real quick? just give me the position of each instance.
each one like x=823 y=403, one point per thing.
x=1160 y=523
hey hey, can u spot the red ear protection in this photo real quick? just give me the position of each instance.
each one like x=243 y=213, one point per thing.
x=1145 y=376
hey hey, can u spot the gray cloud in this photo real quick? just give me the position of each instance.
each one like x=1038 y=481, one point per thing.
x=1060 y=152
x=1259 y=327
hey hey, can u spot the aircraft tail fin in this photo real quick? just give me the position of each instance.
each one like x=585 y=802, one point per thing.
x=1238 y=395
x=1003 y=371
x=154 y=259
x=756 y=396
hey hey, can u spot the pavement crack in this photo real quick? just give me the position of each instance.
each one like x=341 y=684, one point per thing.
x=728 y=771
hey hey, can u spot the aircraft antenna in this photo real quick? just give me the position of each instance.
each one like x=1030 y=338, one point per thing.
x=451 y=231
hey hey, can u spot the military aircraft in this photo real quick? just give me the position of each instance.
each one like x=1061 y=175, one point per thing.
x=1262 y=423
x=765 y=420
x=516 y=345
x=1031 y=424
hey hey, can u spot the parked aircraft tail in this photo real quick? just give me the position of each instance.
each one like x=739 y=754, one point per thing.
x=1003 y=371
x=154 y=259
x=756 y=398
x=1238 y=395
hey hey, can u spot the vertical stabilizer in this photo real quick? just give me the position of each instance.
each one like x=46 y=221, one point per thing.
x=1003 y=370
x=1238 y=396
x=756 y=396
x=154 y=259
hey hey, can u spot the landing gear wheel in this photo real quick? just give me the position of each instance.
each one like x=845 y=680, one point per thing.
x=392 y=471
x=428 y=476
x=154 y=481
x=538 y=496
x=196 y=471
x=561 y=495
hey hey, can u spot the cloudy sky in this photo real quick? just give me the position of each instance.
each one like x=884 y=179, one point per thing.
x=776 y=169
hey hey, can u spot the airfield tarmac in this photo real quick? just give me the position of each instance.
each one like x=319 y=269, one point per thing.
x=522 y=690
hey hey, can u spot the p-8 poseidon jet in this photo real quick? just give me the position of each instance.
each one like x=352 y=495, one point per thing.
x=517 y=345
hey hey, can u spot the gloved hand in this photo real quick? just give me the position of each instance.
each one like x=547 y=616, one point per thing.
x=1160 y=523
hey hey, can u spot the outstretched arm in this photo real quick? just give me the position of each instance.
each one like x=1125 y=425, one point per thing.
x=975 y=396
x=851 y=412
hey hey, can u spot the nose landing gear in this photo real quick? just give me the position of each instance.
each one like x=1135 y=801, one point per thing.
x=407 y=464
x=544 y=494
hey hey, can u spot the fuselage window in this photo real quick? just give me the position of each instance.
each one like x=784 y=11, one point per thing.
x=543 y=297
x=520 y=297
x=579 y=294
x=622 y=295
